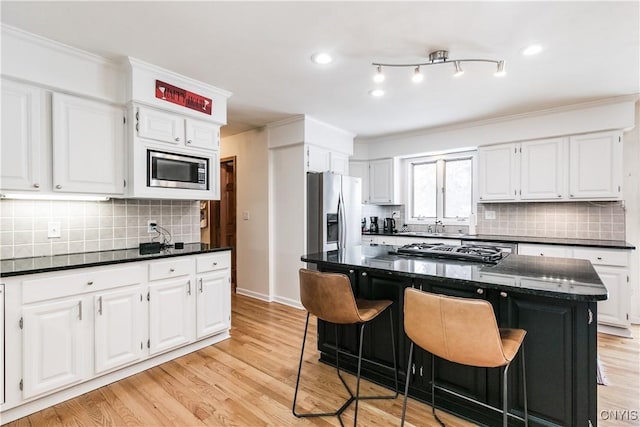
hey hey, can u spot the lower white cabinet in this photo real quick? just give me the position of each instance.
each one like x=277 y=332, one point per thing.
x=170 y=314
x=65 y=331
x=54 y=343
x=118 y=328
x=213 y=310
x=615 y=310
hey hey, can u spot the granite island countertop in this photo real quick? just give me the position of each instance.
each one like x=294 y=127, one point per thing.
x=22 y=266
x=563 y=278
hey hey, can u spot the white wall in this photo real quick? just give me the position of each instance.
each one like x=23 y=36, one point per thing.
x=632 y=205
x=252 y=196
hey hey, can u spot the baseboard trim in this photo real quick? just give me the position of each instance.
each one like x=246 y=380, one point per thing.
x=612 y=330
x=252 y=294
x=288 y=301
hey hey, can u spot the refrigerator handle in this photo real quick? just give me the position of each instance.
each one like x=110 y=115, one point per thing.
x=339 y=243
x=342 y=224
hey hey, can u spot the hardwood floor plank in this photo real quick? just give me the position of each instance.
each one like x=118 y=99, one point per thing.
x=249 y=380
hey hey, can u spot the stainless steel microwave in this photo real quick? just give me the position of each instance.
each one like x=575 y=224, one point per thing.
x=172 y=170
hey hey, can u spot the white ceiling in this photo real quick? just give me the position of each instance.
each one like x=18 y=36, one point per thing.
x=260 y=51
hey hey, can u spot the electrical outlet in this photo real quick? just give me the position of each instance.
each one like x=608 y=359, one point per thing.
x=152 y=226
x=395 y=214
x=53 y=229
x=489 y=214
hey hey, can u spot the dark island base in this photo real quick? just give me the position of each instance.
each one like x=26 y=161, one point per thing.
x=560 y=351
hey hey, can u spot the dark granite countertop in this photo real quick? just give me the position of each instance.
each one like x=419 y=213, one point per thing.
x=606 y=244
x=562 y=278
x=21 y=266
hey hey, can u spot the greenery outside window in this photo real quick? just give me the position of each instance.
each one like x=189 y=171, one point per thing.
x=440 y=188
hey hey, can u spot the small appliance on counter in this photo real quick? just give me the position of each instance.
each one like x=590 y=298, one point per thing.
x=363 y=224
x=373 y=226
x=389 y=225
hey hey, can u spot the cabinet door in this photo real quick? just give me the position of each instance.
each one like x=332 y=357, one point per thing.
x=498 y=172
x=542 y=169
x=170 y=314
x=53 y=346
x=595 y=167
x=88 y=146
x=339 y=163
x=2 y=344
x=361 y=170
x=614 y=310
x=118 y=328
x=159 y=126
x=213 y=303
x=381 y=182
x=21 y=137
x=202 y=134
x=317 y=159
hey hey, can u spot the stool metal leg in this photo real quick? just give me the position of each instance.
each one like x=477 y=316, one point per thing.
x=505 y=396
x=433 y=390
x=355 y=415
x=524 y=387
x=406 y=384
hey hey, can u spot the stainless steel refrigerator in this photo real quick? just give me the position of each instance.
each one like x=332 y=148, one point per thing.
x=333 y=211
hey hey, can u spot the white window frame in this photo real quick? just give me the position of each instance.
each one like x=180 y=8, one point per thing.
x=440 y=162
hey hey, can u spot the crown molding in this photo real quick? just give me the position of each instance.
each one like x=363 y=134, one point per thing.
x=634 y=97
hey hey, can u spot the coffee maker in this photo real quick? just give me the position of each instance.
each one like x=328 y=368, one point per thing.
x=389 y=225
x=373 y=226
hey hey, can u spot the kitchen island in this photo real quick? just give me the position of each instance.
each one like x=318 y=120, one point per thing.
x=554 y=299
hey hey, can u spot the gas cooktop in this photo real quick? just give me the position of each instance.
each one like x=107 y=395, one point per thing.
x=475 y=253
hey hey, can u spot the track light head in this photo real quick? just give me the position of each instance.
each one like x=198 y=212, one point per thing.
x=459 y=71
x=378 y=77
x=417 y=75
x=500 y=71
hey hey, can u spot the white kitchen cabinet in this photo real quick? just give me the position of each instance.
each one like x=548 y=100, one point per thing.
x=383 y=182
x=557 y=251
x=542 y=169
x=339 y=163
x=22 y=135
x=201 y=134
x=498 y=172
x=213 y=297
x=170 y=314
x=614 y=310
x=318 y=159
x=54 y=343
x=595 y=168
x=159 y=126
x=87 y=134
x=360 y=169
x=2 y=384
x=119 y=328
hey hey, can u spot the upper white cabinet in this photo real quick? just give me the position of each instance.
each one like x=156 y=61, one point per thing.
x=322 y=160
x=86 y=132
x=171 y=128
x=566 y=168
x=21 y=137
x=595 y=168
x=380 y=180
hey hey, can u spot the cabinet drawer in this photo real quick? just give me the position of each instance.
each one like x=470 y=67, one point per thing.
x=88 y=281
x=557 y=251
x=171 y=268
x=602 y=256
x=218 y=261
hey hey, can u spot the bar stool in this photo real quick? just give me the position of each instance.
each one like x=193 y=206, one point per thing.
x=464 y=331
x=329 y=297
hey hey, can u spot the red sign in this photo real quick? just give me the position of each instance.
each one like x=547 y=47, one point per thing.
x=184 y=98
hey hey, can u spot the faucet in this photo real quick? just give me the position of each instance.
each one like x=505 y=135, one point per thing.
x=436 y=226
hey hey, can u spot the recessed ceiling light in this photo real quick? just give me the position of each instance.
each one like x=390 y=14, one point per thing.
x=532 y=50
x=321 y=58
x=376 y=92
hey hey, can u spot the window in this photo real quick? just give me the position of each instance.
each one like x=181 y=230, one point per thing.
x=440 y=188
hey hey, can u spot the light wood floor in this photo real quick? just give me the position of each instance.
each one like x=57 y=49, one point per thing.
x=249 y=380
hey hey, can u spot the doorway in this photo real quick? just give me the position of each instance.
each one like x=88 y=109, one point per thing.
x=222 y=213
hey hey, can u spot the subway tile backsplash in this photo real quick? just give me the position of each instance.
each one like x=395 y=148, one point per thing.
x=91 y=226
x=580 y=220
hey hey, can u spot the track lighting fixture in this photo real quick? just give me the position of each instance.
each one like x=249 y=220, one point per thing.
x=437 y=57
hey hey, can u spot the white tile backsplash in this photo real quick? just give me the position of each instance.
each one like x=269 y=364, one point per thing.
x=91 y=226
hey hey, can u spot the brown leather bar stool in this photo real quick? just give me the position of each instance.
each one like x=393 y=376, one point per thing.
x=464 y=331
x=329 y=297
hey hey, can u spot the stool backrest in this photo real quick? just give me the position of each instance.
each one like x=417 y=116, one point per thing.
x=328 y=296
x=461 y=330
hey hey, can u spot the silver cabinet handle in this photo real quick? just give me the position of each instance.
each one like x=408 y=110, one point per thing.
x=350 y=271
x=480 y=291
x=90 y=282
x=201 y=285
x=36 y=185
x=215 y=263
x=80 y=310
x=559 y=195
x=100 y=306
x=171 y=270
x=189 y=287
x=503 y=294
x=178 y=139
x=364 y=274
x=58 y=186
x=541 y=254
x=188 y=141
x=599 y=258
